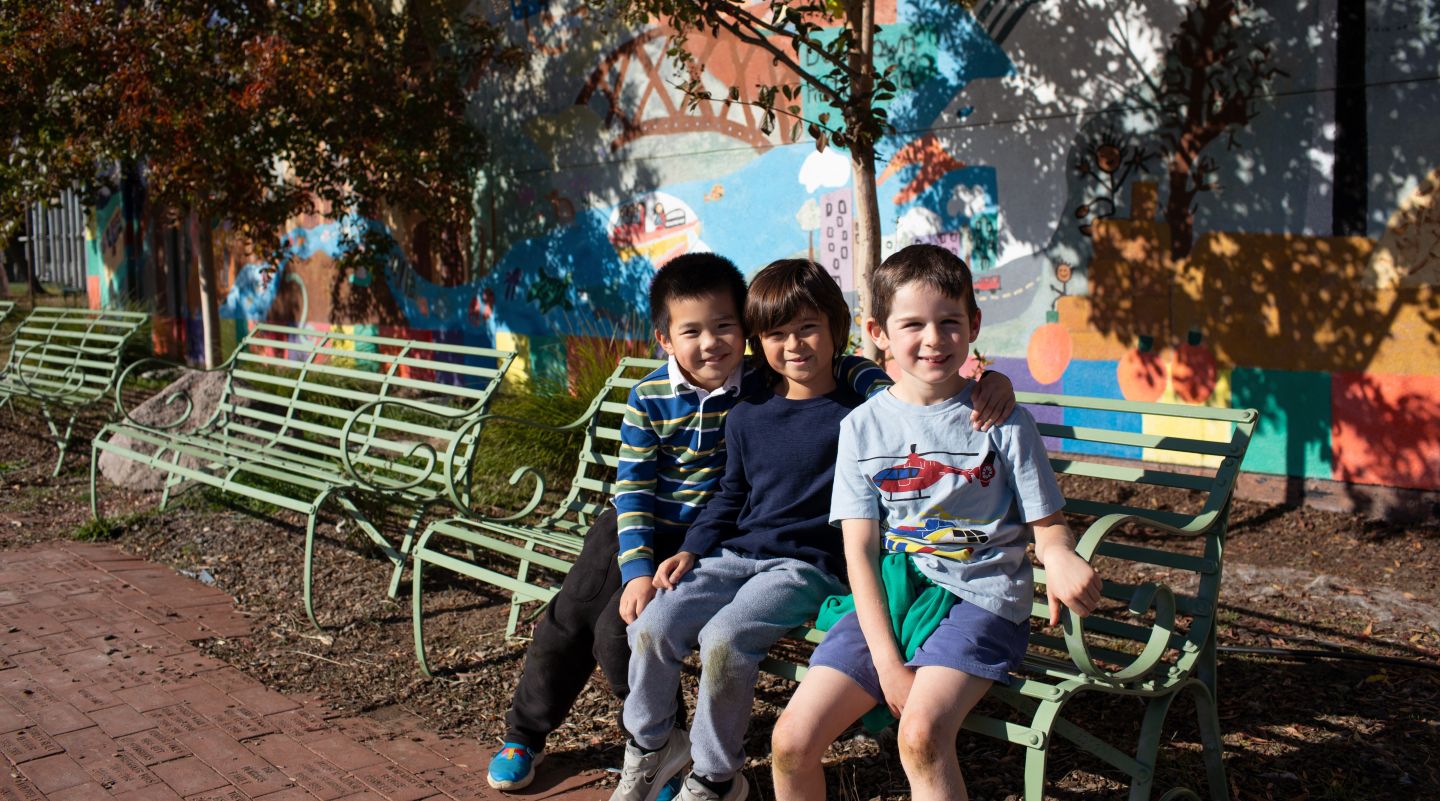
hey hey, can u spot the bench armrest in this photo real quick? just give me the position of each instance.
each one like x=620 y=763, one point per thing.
x=460 y=497
x=366 y=415
x=1152 y=595
x=178 y=396
x=70 y=379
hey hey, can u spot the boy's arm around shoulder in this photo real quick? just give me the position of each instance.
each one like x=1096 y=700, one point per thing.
x=993 y=398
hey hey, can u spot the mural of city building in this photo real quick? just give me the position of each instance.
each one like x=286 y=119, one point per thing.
x=1169 y=200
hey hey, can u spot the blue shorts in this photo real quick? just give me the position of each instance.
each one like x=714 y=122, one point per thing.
x=969 y=639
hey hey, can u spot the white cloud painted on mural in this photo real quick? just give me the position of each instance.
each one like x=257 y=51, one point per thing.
x=917 y=222
x=824 y=170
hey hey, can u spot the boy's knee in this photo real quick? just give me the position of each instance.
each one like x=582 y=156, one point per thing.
x=923 y=741
x=793 y=746
x=646 y=634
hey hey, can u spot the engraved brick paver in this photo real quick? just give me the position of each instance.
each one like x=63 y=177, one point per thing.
x=153 y=747
x=54 y=773
x=118 y=721
x=188 y=776
x=89 y=791
x=103 y=696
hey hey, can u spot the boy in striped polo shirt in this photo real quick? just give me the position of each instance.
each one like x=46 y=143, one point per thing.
x=671 y=459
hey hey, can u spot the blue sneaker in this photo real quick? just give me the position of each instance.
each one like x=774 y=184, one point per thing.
x=513 y=767
x=671 y=789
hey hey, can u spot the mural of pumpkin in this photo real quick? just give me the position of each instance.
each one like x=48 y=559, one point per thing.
x=1141 y=372
x=1192 y=370
x=1049 y=351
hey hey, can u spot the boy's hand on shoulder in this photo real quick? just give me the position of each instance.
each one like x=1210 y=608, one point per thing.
x=668 y=574
x=637 y=595
x=1071 y=581
x=994 y=400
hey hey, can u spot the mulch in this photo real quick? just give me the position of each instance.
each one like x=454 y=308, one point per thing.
x=1295 y=578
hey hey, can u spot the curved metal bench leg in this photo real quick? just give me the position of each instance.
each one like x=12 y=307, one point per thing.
x=308 y=579
x=1036 y=757
x=94 y=486
x=521 y=574
x=417 y=617
x=1152 y=731
x=171 y=480
x=62 y=441
x=1211 y=740
x=410 y=526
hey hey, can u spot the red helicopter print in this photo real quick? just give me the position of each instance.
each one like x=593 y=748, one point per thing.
x=917 y=474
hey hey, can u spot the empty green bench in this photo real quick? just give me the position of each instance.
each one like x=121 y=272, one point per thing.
x=66 y=360
x=1154 y=638
x=306 y=418
x=525 y=539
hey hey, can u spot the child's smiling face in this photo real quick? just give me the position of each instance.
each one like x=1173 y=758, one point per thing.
x=705 y=337
x=929 y=335
x=802 y=353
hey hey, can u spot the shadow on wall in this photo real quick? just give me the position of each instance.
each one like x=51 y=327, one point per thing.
x=1344 y=362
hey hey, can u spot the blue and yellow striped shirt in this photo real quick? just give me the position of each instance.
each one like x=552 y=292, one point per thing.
x=672 y=454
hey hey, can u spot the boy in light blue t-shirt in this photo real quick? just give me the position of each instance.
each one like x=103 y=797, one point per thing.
x=961 y=505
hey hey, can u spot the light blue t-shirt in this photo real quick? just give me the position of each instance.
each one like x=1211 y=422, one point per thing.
x=954 y=498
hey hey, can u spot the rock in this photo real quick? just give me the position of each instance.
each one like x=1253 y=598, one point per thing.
x=205 y=391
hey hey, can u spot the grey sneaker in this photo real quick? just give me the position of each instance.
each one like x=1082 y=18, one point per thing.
x=695 y=791
x=644 y=775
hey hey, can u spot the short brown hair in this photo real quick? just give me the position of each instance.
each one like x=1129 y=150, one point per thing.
x=785 y=288
x=694 y=275
x=932 y=266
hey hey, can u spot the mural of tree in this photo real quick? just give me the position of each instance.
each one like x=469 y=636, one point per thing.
x=1220 y=63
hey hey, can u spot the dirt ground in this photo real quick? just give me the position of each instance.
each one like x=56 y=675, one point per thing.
x=1294 y=578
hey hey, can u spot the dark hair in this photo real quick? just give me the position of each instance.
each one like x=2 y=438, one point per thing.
x=693 y=275
x=930 y=265
x=787 y=287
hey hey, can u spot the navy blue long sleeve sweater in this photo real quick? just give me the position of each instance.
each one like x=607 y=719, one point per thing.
x=774 y=499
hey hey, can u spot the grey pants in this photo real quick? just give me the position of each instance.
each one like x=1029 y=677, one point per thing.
x=734 y=607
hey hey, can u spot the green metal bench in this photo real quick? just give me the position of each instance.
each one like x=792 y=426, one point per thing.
x=66 y=360
x=1155 y=638
x=550 y=540
x=306 y=418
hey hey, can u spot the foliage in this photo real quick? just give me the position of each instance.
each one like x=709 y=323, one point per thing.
x=838 y=38
x=788 y=32
x=505 y=445
x=247 y=109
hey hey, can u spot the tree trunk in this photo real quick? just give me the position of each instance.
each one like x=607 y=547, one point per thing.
x=209 y=304
x=862 y=163
x=866 y=250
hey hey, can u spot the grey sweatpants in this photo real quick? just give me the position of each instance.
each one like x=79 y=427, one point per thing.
x=734 y=607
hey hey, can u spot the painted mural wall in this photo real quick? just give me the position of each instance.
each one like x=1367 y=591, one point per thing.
x=1259 y=231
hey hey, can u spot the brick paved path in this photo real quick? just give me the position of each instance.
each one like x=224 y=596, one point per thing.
x=103 y=695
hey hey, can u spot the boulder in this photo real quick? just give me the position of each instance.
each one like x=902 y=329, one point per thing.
x=205 y=391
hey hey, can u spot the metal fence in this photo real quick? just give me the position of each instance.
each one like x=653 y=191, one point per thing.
x=55 y=241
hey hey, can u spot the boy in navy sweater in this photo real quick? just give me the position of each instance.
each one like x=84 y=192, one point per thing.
x=761 y=556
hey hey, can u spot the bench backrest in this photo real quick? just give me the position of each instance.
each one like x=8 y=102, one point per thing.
x=294 y=389
x=594 y=482
x=70 y=352
x=1166 y=462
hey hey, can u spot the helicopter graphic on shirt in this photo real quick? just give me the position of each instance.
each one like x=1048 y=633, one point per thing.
x=938 y=537
x=916 y=474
